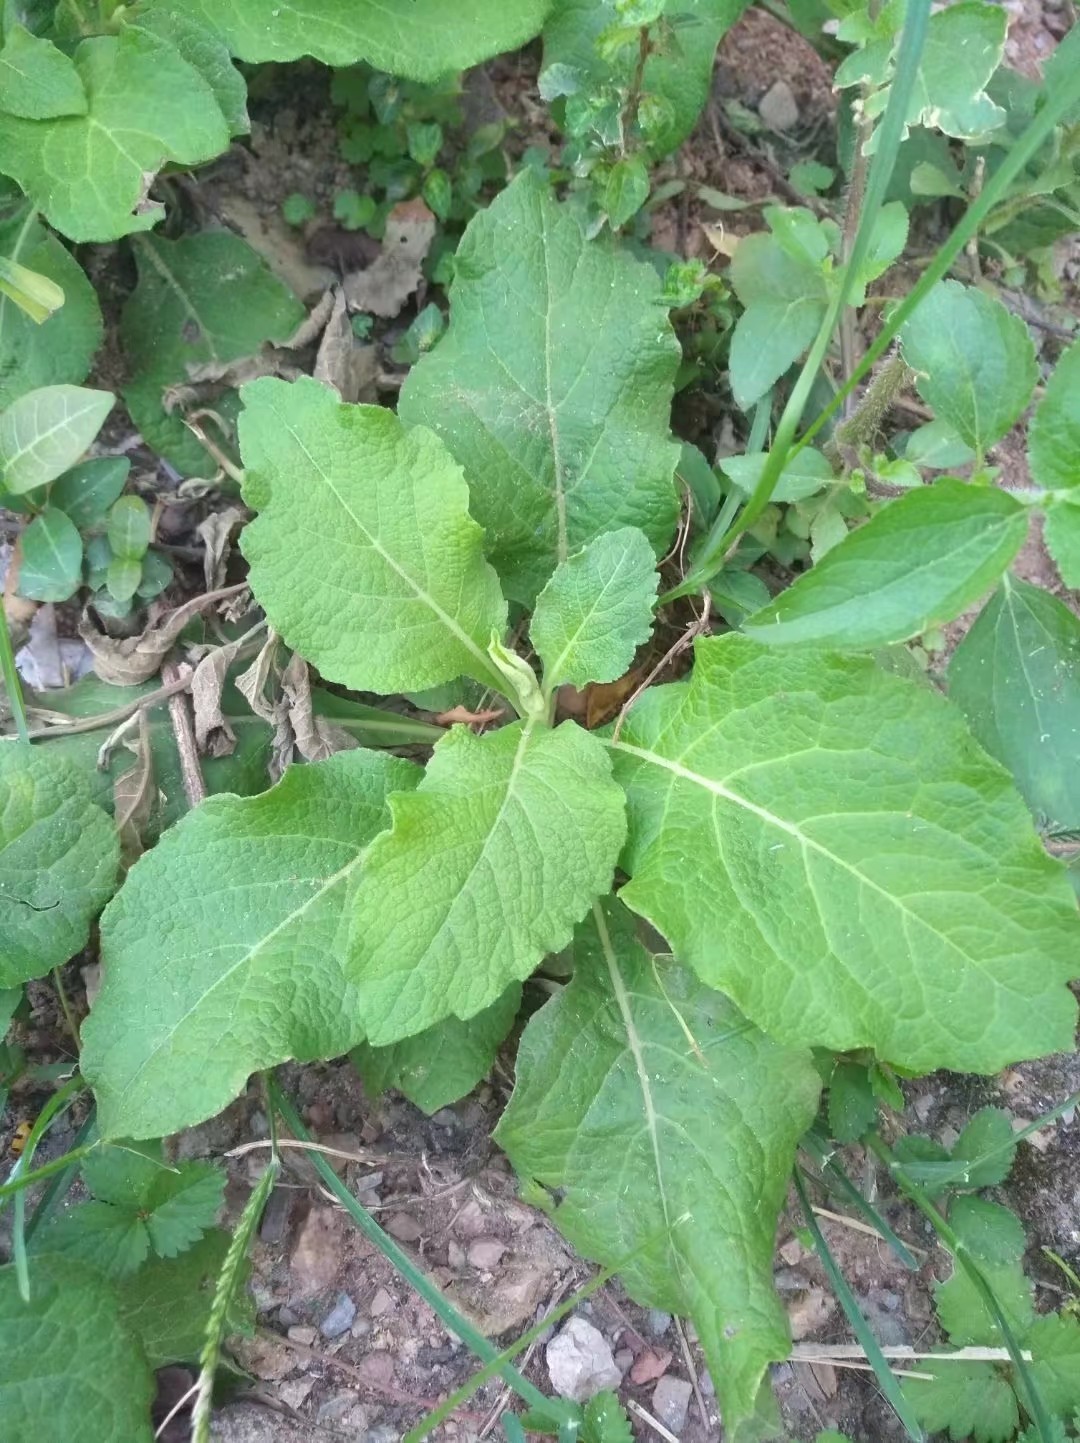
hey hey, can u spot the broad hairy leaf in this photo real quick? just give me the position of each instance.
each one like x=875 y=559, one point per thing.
x=224 y=951
x=73 y=1326
x=436 y=1067
x=552 y=386
x=668 y=1124
x=975 y=360
x=780 y=280
x=822 y=841
x=364 y=555
x=37 y=80
x=60 y=348
x=964 y=1400
x=1016 y=677
x=679 y=72
x=486 y=868
x=46 y=431
x=58 y=861
x=207 y=298
x=921 y=560
x=89 y=174
x=166 y=1304
x=141 y=1204
x=423 y=39
x=1053 y=438
x=204 y=50
x=52 y=553
x=596 y=610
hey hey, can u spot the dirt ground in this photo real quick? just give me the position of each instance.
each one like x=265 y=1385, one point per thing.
x=344 y=1349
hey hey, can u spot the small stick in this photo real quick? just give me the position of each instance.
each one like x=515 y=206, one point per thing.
x=688 y=1360
x=860 y=1227
x=678 y=647
x=308 y=1147
x=838 y=1352
x=184 y=732
x=665 y=1433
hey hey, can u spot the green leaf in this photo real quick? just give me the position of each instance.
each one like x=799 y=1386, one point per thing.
x=626 y=190
x=58 y=349
x=596 y=610
x=203 y=299
x=1054 y=433
x=820 y=840
x=989 y=1131
x=129 y=528
x=110 y=1240
x=37 y=80
x=678 y=72
x=58 y=861
x=72 y=1324
x=87 y=491
x=167 y=1303
x=89 y=173
x=439 y=930
x=807 y=474
x=965 y=1400
x=668 y=1124
x=176 y=1204
x=920 y=561
x=991 y=1233
x=1055 y=1351
x=1016 y=677
x=423 y=40
x=436 y=1067
x=243 y=906
x=1061 y=532
x=784 y=294
x=964 y=1315
x=364 y=555
x=852 y=1104
x=975 y=359
x=551 y=386
x=46 y=431
x=52 y=553
x=204 y=51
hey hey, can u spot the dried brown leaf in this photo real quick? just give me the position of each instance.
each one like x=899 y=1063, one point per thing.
x=386 y=284
x=314 y=737
x=217 y=533
x=345 y=363
x=134 y=791
x=134 y=659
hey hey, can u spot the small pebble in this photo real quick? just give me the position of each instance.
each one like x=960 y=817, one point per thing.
x=778 y=107
x=381 y=1303
x=657 y=1323
x=671 y=1401
x=404 y=1227
x=624 y=1360
x=485 y=1253
x=340 y=1317
x=301 y=1333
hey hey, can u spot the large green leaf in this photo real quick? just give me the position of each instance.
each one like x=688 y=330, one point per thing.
x=823 y=842
x=596 y=610
x=669 y=1125
x=58 y=861
x=436 y=1067
x=89 y=174
x=424 y=39
x=975 y=361
x=37 y=80
x=56 y=350
x=203 y=298
x=1016 y=677
x=922 y=560
x=224 y=951
x=679 y=72
x=45 y=432
x=364 y=555
x=487 y=867
x=552 y=386
x=71 y=1328
x=1054 y=432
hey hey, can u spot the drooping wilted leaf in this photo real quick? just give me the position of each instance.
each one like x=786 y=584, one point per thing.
x=552 y=386
x=244 y=906
x=206 y=297
x=669 y=1125
x=364 y=554
x=56 y=350
x=822 y=841
x=1016 y=677
x=58 y=861
x=921 y=560
x=436 y=1067
x=439 y=930
x=423 y=40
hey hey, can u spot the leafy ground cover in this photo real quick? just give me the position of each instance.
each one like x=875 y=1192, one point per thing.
x=484 y=599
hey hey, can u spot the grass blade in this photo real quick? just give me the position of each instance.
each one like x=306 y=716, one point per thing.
x=834 y=1176
x=869 y=1344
